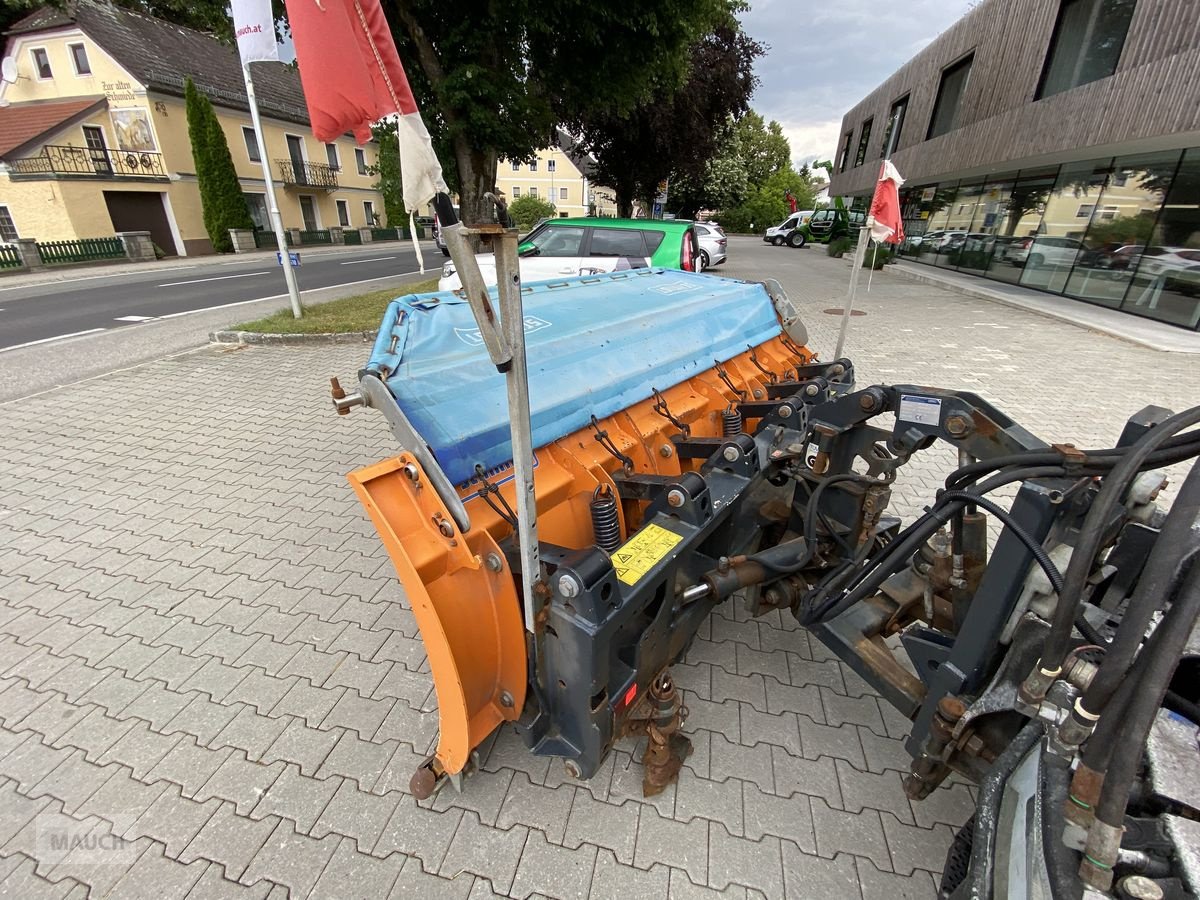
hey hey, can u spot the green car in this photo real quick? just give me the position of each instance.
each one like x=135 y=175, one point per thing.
x=826 y=224
x=562 y=248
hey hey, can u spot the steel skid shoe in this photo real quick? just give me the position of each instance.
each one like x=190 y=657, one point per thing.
x=659 y=717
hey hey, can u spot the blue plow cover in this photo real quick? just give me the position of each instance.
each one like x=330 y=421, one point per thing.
x=595 y=345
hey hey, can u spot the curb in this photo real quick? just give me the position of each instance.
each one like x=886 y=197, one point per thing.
x=291 y=340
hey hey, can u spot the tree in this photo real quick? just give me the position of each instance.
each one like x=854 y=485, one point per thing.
x=387 y=167
x=762 y=147
x=527 y=211
x=678 y=129
x=221 y=196
x=497 y=79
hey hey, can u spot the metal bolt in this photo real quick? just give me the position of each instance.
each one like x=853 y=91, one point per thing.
x=506 y=699
x=785 y=411
x=411 y=472
x=811 y=390
x=758 y=394
x=573 y=770
x=568 y=587
x=731 y=454
x=957 y=426
x=494 y=562
x=675 y=498
x=866 y=402
x=444 y=526
x=666 y=451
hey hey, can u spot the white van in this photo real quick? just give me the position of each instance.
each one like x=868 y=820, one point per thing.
x=778 y=234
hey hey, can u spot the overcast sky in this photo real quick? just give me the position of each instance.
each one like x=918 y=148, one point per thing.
x=825 y=57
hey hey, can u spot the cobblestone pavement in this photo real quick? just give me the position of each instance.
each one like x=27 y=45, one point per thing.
x=211 y=686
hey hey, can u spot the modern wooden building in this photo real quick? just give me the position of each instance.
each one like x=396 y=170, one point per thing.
x=94 y=137
x=1051 y=143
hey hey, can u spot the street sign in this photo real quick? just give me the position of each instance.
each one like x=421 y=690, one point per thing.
x=294 y=258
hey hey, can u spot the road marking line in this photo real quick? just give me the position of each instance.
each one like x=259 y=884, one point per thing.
x=217 y=278
x=355 y=262
x=134 y=318
x=56 y=281
x=58 y=337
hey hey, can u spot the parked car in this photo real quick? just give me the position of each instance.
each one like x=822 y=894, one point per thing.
x=1155 y=261
x=713 y=244
x=778 y=234
x=1044 y=249
x=826 y=224
x=563 y=248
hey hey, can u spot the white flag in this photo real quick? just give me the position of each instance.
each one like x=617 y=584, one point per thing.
x=254 y=27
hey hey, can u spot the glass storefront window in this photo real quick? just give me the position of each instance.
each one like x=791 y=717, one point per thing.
x=1059 y=245
x=1166 y=280
x=961 y=214
x=937 y=205
x=1019 y=221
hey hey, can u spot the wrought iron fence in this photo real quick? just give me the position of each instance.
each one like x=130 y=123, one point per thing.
x=10 y=258
x=307 y=174
x=265 y=237
x=316 y=236
x=56 y=159
x=352 y=236
x=54 y=253
x=386 y=234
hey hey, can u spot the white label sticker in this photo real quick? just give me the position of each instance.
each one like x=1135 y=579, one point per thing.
x=922 y=410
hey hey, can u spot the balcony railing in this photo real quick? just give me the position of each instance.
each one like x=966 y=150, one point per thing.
x=307 y=174
x=56 y=159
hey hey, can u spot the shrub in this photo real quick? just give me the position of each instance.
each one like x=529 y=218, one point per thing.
x=221 y=195
x=525 y=212
x=838 y=246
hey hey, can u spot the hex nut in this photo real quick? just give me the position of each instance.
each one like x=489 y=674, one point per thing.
x=568 y=586
x=785 y=411
x=494 y=562
x=957 y=425
x=675 y=498
x=731 y=454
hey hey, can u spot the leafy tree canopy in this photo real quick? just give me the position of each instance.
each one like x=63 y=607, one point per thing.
x=387 y=168
x=527 y=211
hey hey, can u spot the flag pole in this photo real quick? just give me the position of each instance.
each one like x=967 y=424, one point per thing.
x=289 y=274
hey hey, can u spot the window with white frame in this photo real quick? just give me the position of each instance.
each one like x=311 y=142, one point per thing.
x=562 y=193
x=331 y=154
x=1108 y=213
x=8 y=230
x=251 y=140
x=533 y=192
x=516 y=167
x=369 y=212
x=41 y=63
x=533 y=166
x=516 y=193
x=343 y=209
x=79 y=59
x=551 y=165
x=1085 y=210
x=360 y=158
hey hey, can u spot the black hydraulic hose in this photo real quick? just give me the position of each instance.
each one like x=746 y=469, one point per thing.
x=1152 y=591
x=1099 y=746
x=1092 y=533
x=1146 y=699
x=981 y=871
x=1039 y=552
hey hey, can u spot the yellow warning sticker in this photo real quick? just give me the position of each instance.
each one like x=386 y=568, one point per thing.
x=638 y=556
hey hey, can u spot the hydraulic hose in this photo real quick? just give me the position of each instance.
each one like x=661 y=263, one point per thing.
x=1152 y=591
x=1091 y=534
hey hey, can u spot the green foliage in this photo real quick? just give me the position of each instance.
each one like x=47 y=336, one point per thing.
x=877 y=255
x=1137 y=229
x=762 y=147
x=838 y=246
x=221 y=195
x=527 y=211
x=387 y=168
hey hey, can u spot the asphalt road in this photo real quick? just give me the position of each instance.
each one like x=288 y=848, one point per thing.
x=98 y=302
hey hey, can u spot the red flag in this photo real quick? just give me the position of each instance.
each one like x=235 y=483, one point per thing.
x=885 y=206
x=352 y=77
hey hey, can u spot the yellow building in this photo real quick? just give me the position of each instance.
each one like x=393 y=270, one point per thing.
x=94 y=138
x=563 y=176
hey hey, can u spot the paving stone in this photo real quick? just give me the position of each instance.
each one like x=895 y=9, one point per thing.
x=788 y=818
x=605 y=825
x=359 y=675
x=807 y=875
x=214 y=886
x=297 y=797
x=240 y=781
x=839 y=742
x=122 y=799
x=250 y=733
x=916 y=848
x=627 y=784
x=362 y=761
x=226 y=644
x=309 y=703
x=173 y=668
x=863 y=711
x=816 y=778
x=189 y=765
x=716 y=801
x=554 y=871
x=258 y=689
x=404 y=649
x=676 y=844
x=97 y=860
x=74 y=681
x=724 y=630
x=882 y=792
x=349 y=874
x=765 y=728
x=882 y=753
x=423 y=833
x=30 y=762
x=268 y=655
x=158 y=705
x=749 y=689
x=489 y=852
x=507 y=752
x=293 y=860
x=545 y=809
x=730 y=760
x=140 y=749
x=229 y=839
x=304 y=746
x=216 y=679
x=172 y=820
x=202 y=719
x=719 y=718
x=72 y=782
x=805 y=672
x=357 y=815
x=771 y=663
x=600 y=785
x=95 y=734
x=361 y=714
x=738 y=860
x=883 y=885
x=414 y=881
x=16 y=811
x=133 y=657
x=484 y=798
x=612 y=878
x=841 y=832
x=157 y=877
x=317 y=633
x=950 y=804
x=682 y=888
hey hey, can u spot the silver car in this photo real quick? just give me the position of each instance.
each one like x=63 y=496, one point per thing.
x=713 y=244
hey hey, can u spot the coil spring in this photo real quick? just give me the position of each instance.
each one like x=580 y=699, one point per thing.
x=606 y=525
x=731 y=421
